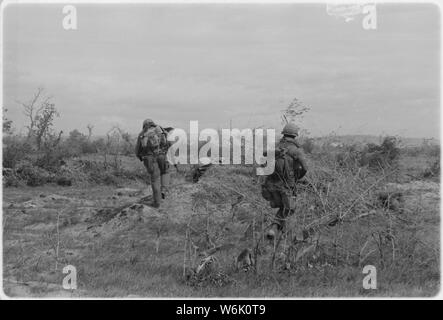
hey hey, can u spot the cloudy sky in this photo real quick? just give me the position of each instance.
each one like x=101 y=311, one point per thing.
x=214 y=62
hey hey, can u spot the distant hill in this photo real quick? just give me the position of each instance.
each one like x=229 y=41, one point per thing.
x=359 y=139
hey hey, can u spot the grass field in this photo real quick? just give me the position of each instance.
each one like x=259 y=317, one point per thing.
x=122 y=247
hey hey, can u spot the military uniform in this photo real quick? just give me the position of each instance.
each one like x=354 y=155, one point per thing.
x=281 y=191
x=155 y=161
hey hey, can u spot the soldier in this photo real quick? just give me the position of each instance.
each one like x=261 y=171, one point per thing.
x=279 y=187
x=151 y=148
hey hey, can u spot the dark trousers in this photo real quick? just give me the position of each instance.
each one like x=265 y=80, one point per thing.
x=280 y=198
x=158 y=169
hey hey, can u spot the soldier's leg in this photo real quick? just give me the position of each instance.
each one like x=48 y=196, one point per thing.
x=288 y=208
x=276 y=224
x=164 y=175
x=156 y=190
x=165 y=178
x=154 y=172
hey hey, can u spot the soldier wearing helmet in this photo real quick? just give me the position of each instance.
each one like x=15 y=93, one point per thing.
x=279 y=187
x=290 y=130
x=151 y=148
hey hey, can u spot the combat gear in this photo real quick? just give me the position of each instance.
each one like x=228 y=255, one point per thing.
x=152 y=140
x=151 y=148
x=290 y=165
x=280 y=187
x=290 y=129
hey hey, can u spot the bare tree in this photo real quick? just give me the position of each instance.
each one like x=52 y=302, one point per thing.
x=294 y=111
x=30 y=110
x=90 y=127
x=41 y=113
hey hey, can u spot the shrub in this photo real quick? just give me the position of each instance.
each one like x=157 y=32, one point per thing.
x=433 y=170
x=434 y=151
x=78 y=144
x=15 y=149
x=10 y=178
x=380 y=156
x=32 y=175
x=348 y=157
x=308 y=145
x=390 y=148
x=50 y=160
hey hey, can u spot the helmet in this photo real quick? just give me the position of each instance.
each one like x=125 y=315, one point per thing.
x=148 y=123
x=290 y=129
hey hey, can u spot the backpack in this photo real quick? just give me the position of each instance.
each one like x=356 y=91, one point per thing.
x=153 y=140
x=287 y=169
x=283 y=163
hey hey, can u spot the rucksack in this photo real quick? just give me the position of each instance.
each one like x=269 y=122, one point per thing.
x=287 y=169
x=283 y=165
x=153 y=139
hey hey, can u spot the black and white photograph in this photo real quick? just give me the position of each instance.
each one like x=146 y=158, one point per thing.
x=220 y=150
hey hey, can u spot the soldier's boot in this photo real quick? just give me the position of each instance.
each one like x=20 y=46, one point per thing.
x=156 y=192
x=165 y=179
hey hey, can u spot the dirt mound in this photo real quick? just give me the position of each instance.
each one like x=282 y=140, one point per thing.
x=106 y=221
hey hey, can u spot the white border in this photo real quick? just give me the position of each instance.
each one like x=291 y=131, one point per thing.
x=6 y=2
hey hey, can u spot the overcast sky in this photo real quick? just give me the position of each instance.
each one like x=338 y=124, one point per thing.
x=213 y=63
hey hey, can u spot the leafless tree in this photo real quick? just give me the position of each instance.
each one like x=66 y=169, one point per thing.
x=90 y=127
x=294 y=111
x=40 y=112
x=30 y=109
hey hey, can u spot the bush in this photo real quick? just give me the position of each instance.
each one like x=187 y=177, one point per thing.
x=390 y=148
x=34 y=176
x=10 y=178
x=433 y=170
x=15 y=149
x=50 y=159
x=348 y=157
x=78 y=144
x=433 y=151
x=308 y=145
x=380 y=156
x=97 y=172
